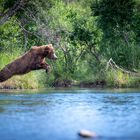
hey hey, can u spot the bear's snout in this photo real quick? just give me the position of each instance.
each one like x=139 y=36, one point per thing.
x=54 y=57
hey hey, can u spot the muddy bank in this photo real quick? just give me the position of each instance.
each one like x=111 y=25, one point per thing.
x=70 y=83
x=59 y=83
x=95 y=84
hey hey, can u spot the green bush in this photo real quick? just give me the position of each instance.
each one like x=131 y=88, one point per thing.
x=118 y=79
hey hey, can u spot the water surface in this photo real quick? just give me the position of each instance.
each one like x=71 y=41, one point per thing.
x=61 y=114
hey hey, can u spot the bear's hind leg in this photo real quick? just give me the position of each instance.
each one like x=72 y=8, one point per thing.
x=5 y=74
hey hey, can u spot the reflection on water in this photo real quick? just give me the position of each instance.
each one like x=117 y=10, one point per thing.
x=59 y=115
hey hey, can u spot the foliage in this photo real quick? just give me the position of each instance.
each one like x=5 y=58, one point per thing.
x=85 y=34
x=73 y=30
x=11 y=36
x=118 y=79
x=120 y=34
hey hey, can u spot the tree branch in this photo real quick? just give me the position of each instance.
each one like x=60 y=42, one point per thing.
x=126 y=39
x=94 y=53
x=28 y=32
x=113 y=65
x=9 y=13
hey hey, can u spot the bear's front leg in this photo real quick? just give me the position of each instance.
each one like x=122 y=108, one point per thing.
x=46 y=67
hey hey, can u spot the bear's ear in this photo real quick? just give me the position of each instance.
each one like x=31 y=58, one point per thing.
x=50 y=45
x=33 y=48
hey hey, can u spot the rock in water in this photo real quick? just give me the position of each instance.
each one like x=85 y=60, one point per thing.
x=87 y=134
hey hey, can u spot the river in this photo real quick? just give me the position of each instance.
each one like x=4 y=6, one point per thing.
x=60 y=114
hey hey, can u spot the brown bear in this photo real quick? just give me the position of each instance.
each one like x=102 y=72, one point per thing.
x=34 y=59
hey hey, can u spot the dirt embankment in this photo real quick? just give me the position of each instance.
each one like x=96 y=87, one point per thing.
x=69 y=83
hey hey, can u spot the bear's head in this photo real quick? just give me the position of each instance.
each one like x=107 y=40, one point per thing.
x=45 y=51
x=49 y=52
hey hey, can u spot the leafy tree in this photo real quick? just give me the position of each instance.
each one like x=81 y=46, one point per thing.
x=74 y=31
x=116 y=19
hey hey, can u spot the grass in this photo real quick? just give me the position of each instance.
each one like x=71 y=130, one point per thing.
x=116 y=78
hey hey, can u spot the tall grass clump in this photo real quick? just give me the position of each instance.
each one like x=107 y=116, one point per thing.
x=118 y=79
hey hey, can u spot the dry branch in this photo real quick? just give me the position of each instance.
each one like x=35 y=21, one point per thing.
x=113 y=65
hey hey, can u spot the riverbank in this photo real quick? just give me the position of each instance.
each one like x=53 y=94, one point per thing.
x=19 y=83
x=97 y=84
x=58 y=77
